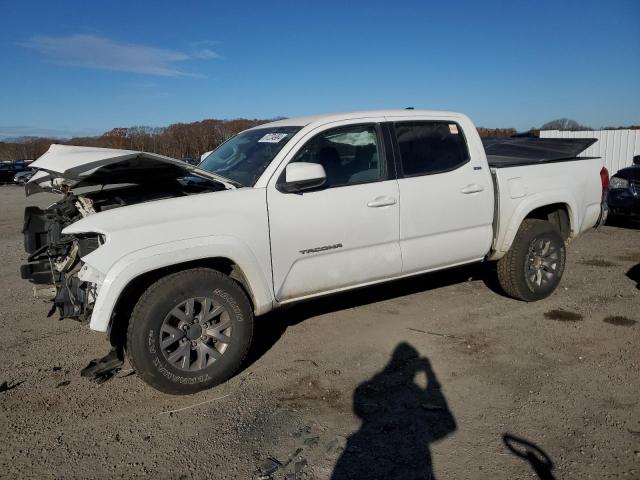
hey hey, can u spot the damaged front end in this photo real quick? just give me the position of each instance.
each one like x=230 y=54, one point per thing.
x=109 y=179
x=55 y=259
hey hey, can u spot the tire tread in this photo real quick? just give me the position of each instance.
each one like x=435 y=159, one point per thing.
x=147 y=298
x=509 y=277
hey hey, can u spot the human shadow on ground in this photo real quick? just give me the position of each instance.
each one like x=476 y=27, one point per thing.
x=400 y=420
x=634 y=275
x=538 y=459
x=270 y=327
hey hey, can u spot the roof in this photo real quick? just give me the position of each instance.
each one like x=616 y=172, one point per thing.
x=336 y=117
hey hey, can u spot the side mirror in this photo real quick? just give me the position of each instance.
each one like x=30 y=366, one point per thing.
x=636 y=160
x=301 y=176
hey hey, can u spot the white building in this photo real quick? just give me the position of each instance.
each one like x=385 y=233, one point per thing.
x=616 y=147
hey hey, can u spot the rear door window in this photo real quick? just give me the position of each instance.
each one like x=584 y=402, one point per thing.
x=430 y=147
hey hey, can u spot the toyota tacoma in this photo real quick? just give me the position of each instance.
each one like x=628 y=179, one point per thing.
x=174 y=261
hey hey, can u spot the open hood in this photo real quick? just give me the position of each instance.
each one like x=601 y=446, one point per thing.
x=84 y=166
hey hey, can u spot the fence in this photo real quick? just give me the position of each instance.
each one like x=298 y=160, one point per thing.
x=616 y=147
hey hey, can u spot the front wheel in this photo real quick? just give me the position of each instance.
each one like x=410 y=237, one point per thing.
x=189 y=331
x=532 y=268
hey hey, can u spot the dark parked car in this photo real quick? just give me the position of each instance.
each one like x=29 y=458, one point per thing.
x=8 y=169
x=624 y=190
x=7 y=172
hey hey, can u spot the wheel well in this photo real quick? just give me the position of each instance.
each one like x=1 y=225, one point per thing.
x=556 y=214
x=136 y=287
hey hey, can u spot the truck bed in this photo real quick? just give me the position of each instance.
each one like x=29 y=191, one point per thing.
x=519 y=151
x=525 y=186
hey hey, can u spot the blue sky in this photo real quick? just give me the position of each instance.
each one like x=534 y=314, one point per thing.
x=84 y=67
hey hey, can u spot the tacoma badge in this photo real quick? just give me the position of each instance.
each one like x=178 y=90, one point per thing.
x=321 y=249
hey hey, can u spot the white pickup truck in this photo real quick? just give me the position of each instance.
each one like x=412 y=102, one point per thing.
x=174 y=261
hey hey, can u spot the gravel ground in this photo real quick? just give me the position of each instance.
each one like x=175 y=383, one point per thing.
x=420 y=377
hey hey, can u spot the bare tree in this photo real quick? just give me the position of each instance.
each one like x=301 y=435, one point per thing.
x=563 y=124
x=179 y=140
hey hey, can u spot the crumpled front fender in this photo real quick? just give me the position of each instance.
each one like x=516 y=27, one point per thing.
x=168 y=254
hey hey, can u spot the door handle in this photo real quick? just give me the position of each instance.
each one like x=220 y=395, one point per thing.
x=472 y=188
x=381 y=202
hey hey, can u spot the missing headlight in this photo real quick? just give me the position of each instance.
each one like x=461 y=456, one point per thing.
x=88 y=244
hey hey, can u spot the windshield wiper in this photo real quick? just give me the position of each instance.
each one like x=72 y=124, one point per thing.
x=227 y=182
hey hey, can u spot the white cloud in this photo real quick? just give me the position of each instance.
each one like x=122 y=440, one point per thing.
x=202 y=49
x=205 y=54
x=90 y=51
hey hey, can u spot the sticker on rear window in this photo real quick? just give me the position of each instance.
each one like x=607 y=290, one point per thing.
x=273 y=137
x=453 y=128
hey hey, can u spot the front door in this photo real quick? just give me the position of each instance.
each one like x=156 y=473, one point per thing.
x=345 y=233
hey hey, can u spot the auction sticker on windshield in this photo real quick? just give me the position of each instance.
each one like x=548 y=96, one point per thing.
x=273 y=137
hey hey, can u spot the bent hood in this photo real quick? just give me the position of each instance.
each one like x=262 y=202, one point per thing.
x=84 y=166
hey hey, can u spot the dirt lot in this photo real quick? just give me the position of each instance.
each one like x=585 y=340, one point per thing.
x=413 y=379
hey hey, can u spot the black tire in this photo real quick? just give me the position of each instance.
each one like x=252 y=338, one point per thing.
x=163 y=358
x=526 y=276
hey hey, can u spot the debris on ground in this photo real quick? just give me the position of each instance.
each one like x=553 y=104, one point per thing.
x=315 y=364
x=311 y=441
x=302 y=431
x=5 y=387
x=271 y=465
x=267 y=468
x=437 y=334
x=102 y=369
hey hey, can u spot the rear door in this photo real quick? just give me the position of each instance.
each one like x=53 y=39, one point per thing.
x=343 y=234
x=447 y=196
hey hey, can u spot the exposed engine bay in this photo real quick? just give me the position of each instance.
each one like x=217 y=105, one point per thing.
x=55 y=259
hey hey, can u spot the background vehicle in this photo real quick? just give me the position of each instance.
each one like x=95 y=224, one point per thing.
x=8 y=169
x=291 y=210
x=624 y=191
x=23 y=177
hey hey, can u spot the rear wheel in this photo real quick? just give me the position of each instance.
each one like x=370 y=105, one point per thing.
x=190 y=331
x=532 y=268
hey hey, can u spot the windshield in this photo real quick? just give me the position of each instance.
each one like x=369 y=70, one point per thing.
x=244 y=157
